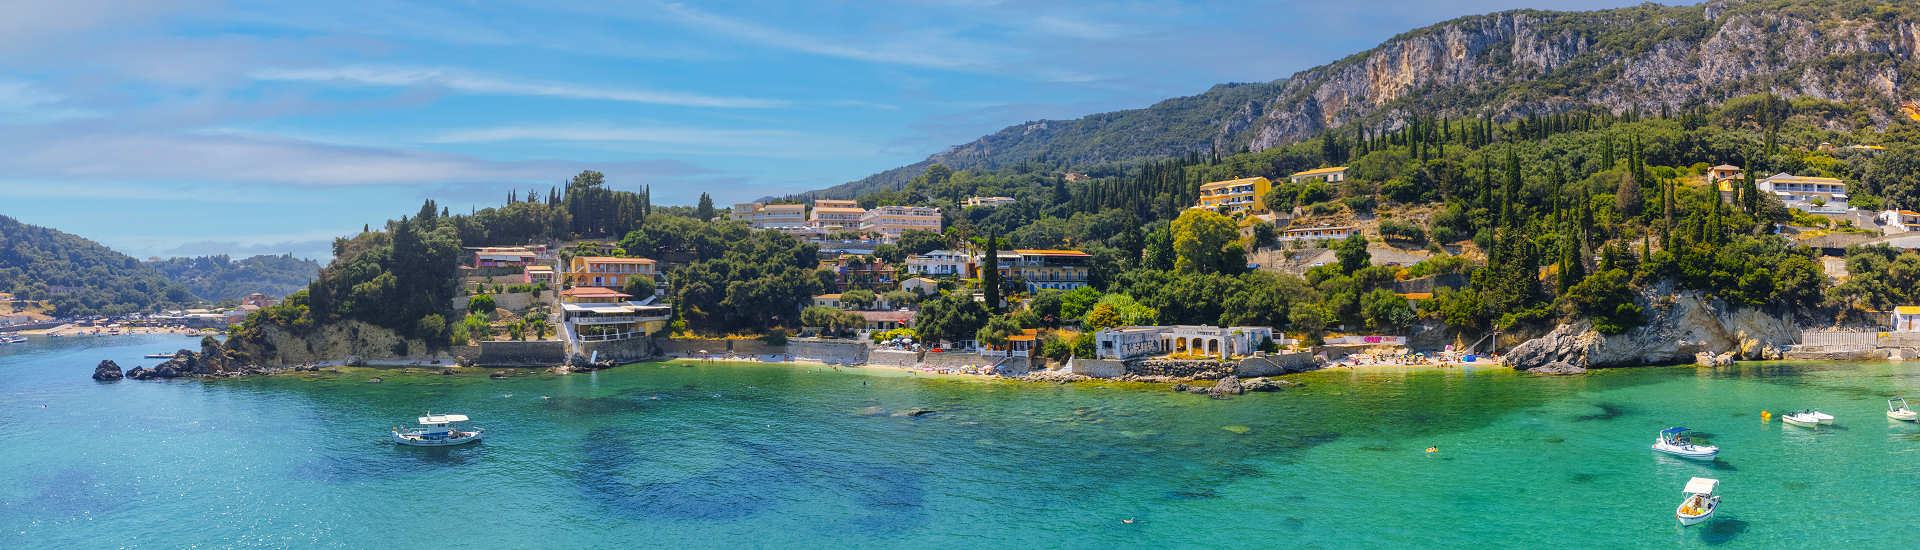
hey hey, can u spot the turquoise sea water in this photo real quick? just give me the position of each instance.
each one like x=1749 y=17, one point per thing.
x=769 y=456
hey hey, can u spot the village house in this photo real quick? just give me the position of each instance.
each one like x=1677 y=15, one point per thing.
x=514 y=256
x=259 y=300
x=921 y=285
x=1900 y=221
x=593 y=314
x=1721 y=173
x=1804 y=192
x=1148 y=341
x=607 y=271
x=1330 y=175
x=989 y=201
x=1051 y=269
x=768 y=216
x=836 y=215
x=1018 y=345
x=890 y=221
x=938 y=263
x=538 y=273
x=852 y=272
x=882 y=321
x=1231 y=196
x=1906 y=318
x=1318 y=233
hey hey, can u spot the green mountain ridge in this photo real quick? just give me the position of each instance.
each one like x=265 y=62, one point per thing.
x=220 y=277
x=78 y=276
x=1505 y=65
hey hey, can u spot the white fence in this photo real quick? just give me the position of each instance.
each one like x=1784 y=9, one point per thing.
x=1840 y=338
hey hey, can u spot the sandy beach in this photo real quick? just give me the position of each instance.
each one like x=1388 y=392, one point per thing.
x=78 y=330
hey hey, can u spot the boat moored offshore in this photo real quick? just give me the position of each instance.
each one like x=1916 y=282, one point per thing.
x=1897 y=410
x=1701 y=501
x=1676 y=441
x=437 y=430
x=1804 y=418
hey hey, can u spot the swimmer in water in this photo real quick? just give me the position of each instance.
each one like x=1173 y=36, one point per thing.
x=1433 y=449
x=1128 y=520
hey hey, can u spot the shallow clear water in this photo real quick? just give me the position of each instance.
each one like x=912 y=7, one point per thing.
x=768 y=456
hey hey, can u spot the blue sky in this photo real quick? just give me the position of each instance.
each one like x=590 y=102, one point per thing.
x=187 y=127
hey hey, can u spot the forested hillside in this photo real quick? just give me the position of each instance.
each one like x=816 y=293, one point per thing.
x=1649 y=58
x=78 y=276
x=218 y=278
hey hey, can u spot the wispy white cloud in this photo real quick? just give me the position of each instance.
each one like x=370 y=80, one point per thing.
x=25 y=102
x=666 y=135
x=456 y=80
x=964 y=57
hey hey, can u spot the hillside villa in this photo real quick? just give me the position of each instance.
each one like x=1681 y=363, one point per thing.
x=988 y=201
x=890 y=221
x=1231 y=196
x=770 y=216
x=514 y=256
x=939 y=263
x=1051 y=269
x=1318 y=233
x=1723 y=173
x=538 y=273
x=594 y=314
x=1147 y=341
x=1333 y=174
x=1803 y=192
x=920 y=285
x=836 y=215
x=607 y=271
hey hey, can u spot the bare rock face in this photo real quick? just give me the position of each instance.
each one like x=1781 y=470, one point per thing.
x=107 y=371
x=141 y=373
x=1266 y=384
x=1705 y=359
x=1679 y=327
x=1225 y=387
x=1558 y=368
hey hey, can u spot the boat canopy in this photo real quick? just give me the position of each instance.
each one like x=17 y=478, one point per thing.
x=1701 y=486
x=1673 y=430
x=442 y=418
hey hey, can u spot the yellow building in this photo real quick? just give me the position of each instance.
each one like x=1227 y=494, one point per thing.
x=1333 y=174
x=1231 y=196
x=605 y=271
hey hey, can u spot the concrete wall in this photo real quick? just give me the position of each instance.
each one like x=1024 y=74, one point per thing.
x=828 y=350
x=1183 y=368
x=522 y=354
x=1097 y=368
x=953 y=360
x=898 y=358
x=691 y=346
x=619 y=351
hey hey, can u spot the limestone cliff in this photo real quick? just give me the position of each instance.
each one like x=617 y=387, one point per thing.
x=333 y=342
x=1508 y=63
x=1678 y=327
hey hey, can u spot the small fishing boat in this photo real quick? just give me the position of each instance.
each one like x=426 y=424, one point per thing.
x=1675 y=441
x=1897 y=410
x=436 y=430
x=1805 y=418
x=1700 y=502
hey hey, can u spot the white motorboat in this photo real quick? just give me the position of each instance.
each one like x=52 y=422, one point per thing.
x=437 y=430
x=1897 y=410
x=1675 y=441
x=1805 y=419
x=1824 y=418
x=1700 y=502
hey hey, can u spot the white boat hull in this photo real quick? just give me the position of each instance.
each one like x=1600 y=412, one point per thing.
x=1904 y=414
x=415 y=441
x=1698 y=516
x=1824 y=418
x=1802 y=422
x=1696 y=452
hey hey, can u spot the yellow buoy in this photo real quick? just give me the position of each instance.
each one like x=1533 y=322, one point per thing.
x=1766 y=416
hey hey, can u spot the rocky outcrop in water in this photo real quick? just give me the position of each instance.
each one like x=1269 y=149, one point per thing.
x=1226 y=387
x=140 y=373
x=1679 y=326
x=1266 y=384
x=107 y=371
x=213 y=359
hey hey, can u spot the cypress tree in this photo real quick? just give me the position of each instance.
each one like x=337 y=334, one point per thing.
x=990 y=271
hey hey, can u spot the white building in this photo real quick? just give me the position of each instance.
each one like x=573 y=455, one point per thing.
x=1221 y=342
x=1906 y=318
x=939 y=263
x=1318 y=233
x=989 y=201
x=1329 y=175
x=890 y=221
x=1803 y=192
x=1900 y=221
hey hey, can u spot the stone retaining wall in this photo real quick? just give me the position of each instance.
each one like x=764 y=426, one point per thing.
x=1096 y=368
x=954 y=360
x=1275 y=364
x=512 y=301
x=828 y=350
x=894 y=357
x=539 y=353
x=1183 y=368
x=619 y=351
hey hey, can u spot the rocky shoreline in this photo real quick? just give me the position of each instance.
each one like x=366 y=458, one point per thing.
x=1680 y=328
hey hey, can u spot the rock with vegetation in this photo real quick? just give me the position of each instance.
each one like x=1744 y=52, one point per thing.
x=1225 y=387
x=1678 y=326
x=107 y=371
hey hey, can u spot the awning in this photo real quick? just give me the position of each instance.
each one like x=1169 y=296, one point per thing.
x=442 y=418
x=1701 y=486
